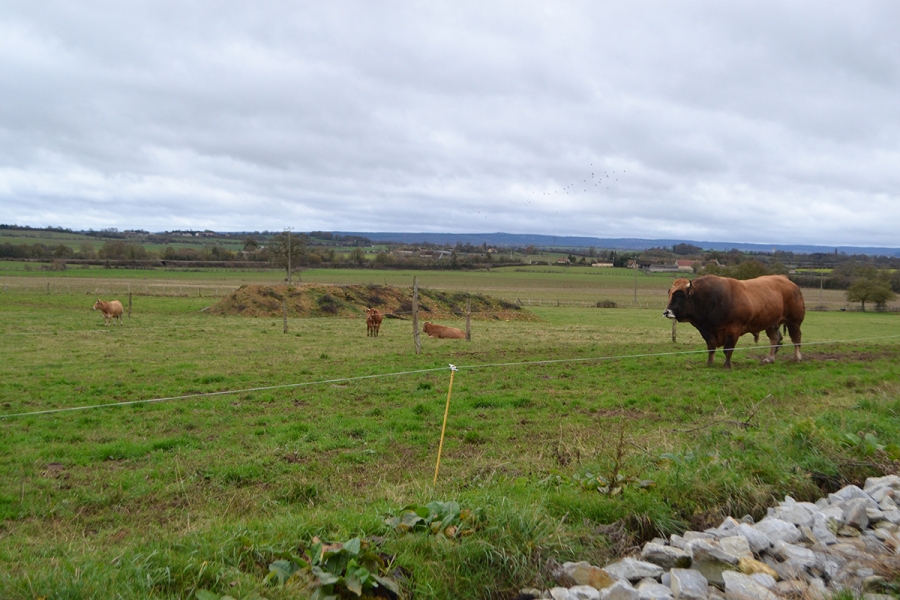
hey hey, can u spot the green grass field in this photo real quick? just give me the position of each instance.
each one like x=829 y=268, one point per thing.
x=533 y=286
x=200 y=449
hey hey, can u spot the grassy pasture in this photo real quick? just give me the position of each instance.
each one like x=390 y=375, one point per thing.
x=323 y=431
x=533 y=286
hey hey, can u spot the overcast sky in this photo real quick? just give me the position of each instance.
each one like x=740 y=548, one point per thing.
x=745 y=121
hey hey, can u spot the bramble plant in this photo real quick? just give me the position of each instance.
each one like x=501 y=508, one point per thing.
x=445 y=518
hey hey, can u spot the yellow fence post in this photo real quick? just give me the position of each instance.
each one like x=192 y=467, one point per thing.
x=444 y=426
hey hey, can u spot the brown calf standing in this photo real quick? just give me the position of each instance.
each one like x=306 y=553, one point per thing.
x=373 y=322
x=111 y=310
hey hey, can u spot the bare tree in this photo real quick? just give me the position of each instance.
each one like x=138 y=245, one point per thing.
x=287 y=251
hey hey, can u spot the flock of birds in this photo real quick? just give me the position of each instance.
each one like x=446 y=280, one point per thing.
x=587 y=185
x=598 y=181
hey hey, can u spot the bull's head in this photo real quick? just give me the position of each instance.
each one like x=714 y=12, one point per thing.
x=678 y=295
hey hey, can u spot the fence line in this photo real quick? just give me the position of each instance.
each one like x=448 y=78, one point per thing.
x=414 y=372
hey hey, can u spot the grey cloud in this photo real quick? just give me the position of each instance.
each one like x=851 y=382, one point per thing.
x=457 y=117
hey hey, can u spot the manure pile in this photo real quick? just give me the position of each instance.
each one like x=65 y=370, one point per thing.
x=317 y=300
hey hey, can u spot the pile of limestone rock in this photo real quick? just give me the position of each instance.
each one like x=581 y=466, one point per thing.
x=848 y=541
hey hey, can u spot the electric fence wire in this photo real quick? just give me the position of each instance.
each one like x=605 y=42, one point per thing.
x=415 y=372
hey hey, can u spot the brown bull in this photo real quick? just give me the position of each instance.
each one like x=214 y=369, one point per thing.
x=723 y=309
x=443 y=332
x=373 y=322
x=111 y=310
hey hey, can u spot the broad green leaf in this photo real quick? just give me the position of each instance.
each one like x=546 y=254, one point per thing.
x=316 y=552
x=324 y=577
x=206 y=595
x=353 y=584
x=411 y=520
x=353 y=546
x=282 y=569
x=388 y=583
x=323 y=594
x=450 y=518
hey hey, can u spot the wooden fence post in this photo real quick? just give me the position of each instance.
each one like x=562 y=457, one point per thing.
x=415 y=315
x=674 y=323
x=468 y=318
x=129 y=305
x=284 y=313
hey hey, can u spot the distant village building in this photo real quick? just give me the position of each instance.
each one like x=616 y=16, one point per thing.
x=660 y=268
x=685 y=265
x=602 y=264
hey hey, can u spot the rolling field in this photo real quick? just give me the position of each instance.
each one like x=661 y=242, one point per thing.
x=533 y=286
x=187 y=452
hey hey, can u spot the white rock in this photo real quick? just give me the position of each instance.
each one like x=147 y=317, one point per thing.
x=688 y=584
x=798 y=556
x=764 y=579
x=742 y=587
x=832 y=512
x=736 y=545
x=561 y=593
x=875 y=514
x=890 y=481
x=654 y=591
x=847 y=493
x=620 y=590
x=665 y=556
x=855 y=514
x=584 y=592
x=776 y=529
x=795 y=513
x=704 y=550
x=729 y=524
x=758 y=541
x=892 y=516
x=633 y=570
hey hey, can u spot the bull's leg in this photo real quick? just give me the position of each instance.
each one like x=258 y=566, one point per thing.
x=729 y=350
x=794 y=332
x=775 y=338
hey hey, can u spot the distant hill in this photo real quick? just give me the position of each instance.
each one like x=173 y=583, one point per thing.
x=566 y=242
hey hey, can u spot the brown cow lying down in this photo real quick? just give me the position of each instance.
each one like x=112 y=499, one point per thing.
x=373 y=322
x=442 y=332
x=723 y=309
x=111 y=310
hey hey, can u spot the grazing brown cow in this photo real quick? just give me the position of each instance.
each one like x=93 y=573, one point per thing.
x=442 y=332
x=373 y=322
x=723 y=309
x=111 y=310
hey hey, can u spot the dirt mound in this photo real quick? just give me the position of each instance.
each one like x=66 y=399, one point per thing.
x=316 y=300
